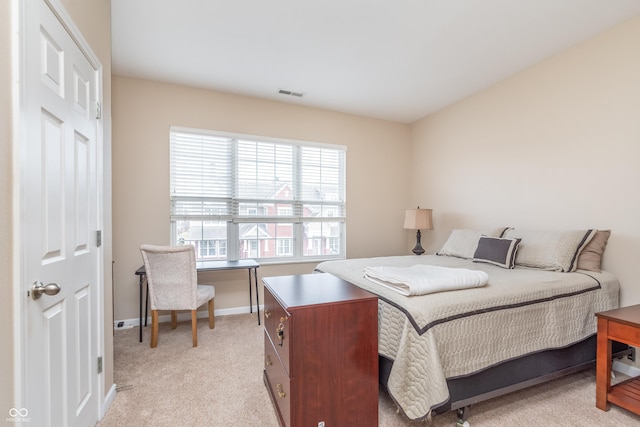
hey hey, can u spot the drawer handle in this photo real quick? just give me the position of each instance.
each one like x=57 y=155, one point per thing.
x=280 y=333
x=281 y=392
x=267 y=314
x=267 y=361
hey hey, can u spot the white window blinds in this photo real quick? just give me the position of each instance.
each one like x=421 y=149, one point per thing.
x=264 y=194
x=201 y=176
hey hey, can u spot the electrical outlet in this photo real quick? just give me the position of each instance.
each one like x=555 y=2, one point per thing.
x=321 y=424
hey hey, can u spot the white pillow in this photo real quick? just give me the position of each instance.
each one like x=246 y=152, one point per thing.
x=463 y=243
x=550 y=250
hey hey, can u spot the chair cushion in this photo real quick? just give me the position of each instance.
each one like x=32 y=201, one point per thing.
x=205 y=293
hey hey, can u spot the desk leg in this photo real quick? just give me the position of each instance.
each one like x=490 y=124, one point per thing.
x=250 y=297
x=146 y=306
x=603 y=365
x=255 y=278
x=140 y=312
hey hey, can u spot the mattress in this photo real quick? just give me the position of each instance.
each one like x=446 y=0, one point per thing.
x=445 y=335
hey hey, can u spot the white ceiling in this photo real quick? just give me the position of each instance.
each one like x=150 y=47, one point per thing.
x=390 y=59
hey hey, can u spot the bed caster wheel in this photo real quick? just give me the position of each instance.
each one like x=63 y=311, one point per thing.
x=462 y=414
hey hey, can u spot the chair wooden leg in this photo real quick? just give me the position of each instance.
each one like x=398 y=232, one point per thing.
x=154 y=328
x=194 y=327
x=212 y=320
x=174 y=319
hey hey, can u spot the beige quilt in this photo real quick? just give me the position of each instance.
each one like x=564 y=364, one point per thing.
x=449 y=334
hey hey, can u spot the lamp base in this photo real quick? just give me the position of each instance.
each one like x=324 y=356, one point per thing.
x=418 y=250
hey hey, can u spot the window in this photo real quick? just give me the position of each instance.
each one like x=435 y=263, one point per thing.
x=235 y=197
x=284 y=247
x=209 y=249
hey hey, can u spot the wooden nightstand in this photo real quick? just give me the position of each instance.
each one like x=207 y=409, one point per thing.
x=623 y=325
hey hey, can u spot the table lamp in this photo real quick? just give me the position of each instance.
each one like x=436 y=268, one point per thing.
x=418 y=219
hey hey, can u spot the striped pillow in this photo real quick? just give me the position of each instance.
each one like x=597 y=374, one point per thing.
x=550 y=250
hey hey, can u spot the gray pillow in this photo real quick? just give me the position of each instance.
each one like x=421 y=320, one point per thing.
x=497 y=251
x=591 y=256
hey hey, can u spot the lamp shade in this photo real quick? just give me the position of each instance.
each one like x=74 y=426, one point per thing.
x=418 y=219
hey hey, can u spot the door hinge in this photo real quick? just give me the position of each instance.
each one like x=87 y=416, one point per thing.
x=98 y=238
x=100 y=364
x=98 y=111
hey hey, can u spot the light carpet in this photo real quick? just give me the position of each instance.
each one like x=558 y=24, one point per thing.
x=219 y=383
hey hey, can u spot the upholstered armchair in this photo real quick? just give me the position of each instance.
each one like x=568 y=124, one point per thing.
x=173 y=285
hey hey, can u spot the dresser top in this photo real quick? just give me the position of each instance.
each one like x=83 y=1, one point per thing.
x=312 y=289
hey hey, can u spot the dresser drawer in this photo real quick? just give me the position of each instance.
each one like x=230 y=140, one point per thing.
x=278 y=381
x=277 y=324
x=624 y=333
x=270 y=355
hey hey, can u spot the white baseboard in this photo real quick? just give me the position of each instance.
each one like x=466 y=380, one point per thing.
x=625 y=368
x=182 y=317
x=108 y=400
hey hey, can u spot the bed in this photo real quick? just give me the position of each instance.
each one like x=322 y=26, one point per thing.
x=531 y=321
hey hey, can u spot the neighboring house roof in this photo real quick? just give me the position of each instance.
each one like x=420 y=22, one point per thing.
x=206 y=232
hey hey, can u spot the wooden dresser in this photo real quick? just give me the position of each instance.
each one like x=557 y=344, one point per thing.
x=321 y=351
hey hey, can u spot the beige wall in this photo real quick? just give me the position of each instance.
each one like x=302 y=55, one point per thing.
x=93 y=19
x=143 y=111
x=554 y=147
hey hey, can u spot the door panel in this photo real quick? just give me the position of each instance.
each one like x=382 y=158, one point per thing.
x=54 y=323
x=52 y=149
x=83 y=370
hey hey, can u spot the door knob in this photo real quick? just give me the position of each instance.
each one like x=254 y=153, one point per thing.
x=37 y=289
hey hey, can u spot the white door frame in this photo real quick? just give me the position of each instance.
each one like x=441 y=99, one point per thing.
x=19 y=123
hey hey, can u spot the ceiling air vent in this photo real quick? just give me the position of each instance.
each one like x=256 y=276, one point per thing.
x=291 y=93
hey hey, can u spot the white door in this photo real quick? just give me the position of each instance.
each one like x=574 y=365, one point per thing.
x=60 y=215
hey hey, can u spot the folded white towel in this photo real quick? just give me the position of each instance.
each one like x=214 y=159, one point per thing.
x=424 y=279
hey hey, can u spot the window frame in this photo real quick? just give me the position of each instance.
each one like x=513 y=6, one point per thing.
x=236 y=218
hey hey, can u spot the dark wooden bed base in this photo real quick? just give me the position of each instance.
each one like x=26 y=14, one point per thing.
x=514 y=374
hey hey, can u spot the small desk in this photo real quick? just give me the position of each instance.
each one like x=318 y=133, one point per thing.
x=623 y=325
x=243 y=264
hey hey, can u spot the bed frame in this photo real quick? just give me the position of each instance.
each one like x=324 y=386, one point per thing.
x=515 y=374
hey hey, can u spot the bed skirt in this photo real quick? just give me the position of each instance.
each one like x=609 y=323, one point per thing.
x=515 y=374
